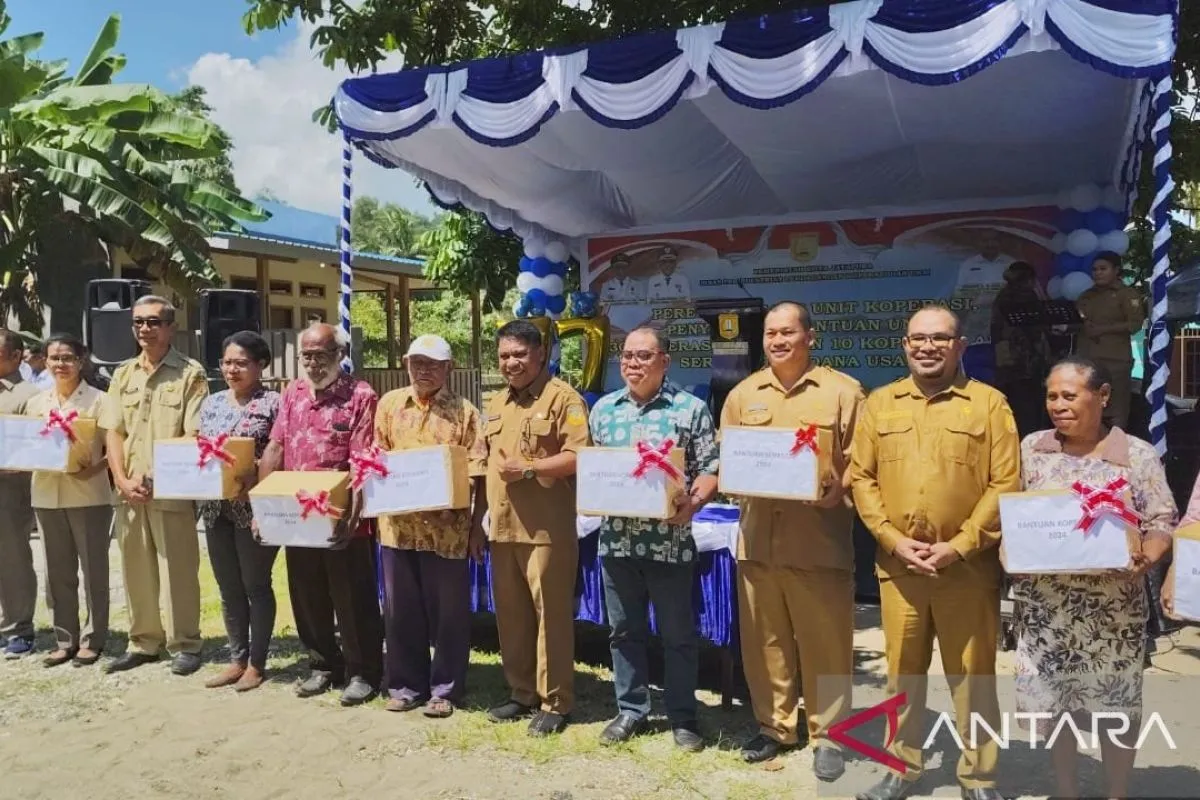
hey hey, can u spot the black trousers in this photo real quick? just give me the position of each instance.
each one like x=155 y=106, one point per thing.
x=338 y=585
x=242 y=568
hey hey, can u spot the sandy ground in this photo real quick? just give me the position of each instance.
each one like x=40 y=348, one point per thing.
x=71 y=733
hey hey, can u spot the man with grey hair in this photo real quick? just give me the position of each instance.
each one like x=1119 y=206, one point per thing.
x=323 y=418
x=156 y=395
x=18 y=581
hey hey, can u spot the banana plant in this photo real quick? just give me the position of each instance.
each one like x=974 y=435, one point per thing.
x=118 y=157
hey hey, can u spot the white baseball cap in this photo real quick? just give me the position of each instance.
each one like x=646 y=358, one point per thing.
x=430 y=346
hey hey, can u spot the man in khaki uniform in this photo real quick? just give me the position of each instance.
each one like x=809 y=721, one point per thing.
x=533 y=430
x=932 y=455
x=155 y=396
x=18 y=581
x=1112 y=312
x=796 y=558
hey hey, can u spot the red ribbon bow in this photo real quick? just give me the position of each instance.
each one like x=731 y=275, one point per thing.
x=363 y=465
x=806 y=437
x=657 y=458
x=64 y=422
x=316 y=504
x=213 y=448
x=1098 y=502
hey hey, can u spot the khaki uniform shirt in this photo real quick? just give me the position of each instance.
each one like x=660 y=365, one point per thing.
x=64 y=490
x=1105 y=306
x=148 y=403
x=933 y=469
x=15 y=393
x=546 y=418
x=790 y=533
x=402 y=423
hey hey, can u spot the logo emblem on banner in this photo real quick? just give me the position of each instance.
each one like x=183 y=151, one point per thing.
x=727 y=326
x=804 y=247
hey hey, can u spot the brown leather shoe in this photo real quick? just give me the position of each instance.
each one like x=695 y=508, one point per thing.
x=251 y=679
x=226 y=677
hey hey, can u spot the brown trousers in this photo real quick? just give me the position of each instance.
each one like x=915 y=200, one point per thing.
x=534 y=591
x=1121 y=399
x=160 y=562
x=964 y=614
x=18 y=581
x=76 y=540
x=797 y=632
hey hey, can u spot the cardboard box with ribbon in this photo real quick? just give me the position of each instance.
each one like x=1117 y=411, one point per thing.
x=201 y=468
x=300 y=509
x=776 y=463
x=407 y=481
x=640 y=482
x=59 y=442
x=1185 y=573
x=1084 y=529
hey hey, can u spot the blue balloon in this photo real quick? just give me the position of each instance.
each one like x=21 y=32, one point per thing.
x=536 y=297
x=521 y=308
x=1070 y=220
x=560 y=269
x=537 y=309
x=1066 y=263
x=1103 y=220
x=556 y=304
x=526 y=264
x=541 y=267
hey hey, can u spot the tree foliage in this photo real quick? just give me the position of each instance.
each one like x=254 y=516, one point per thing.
x=117 y=160
x=387 y=229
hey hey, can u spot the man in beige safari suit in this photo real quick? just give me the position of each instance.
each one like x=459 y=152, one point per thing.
x=155 y=396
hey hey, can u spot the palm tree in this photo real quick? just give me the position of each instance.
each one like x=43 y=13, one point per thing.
x=118 y=160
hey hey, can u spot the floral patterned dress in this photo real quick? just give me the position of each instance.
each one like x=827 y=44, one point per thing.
x=221 y=414
x=1081 y=638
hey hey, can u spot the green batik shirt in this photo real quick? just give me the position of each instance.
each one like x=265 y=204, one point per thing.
x=617 y=421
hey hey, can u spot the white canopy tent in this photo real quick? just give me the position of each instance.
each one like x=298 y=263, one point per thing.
x=861 y=108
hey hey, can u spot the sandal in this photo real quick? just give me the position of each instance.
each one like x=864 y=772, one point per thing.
x=252 y=678
x=403 y=704
x=438 y=708
x=57 y=658
x=82 y=660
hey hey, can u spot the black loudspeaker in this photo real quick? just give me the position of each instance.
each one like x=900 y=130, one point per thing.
x=224 y=312
x=737 y=350
x=108 y=318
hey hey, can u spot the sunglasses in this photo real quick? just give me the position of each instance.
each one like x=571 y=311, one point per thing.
x=148 y=322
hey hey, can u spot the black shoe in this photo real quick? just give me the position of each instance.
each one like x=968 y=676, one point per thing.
x=982 y=793
x=128 y=661
x=890 y=788
x=318 y=682
x=510 y=712
x=828 y=763
x=761 y=748
x=357 y=692
x=687 y=737
x=623 y=728
x=545 y=723
x=185 y=663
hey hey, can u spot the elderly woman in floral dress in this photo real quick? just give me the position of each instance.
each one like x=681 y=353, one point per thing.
x=1080 y=638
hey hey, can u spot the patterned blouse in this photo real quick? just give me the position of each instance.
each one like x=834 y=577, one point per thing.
x=220 y=414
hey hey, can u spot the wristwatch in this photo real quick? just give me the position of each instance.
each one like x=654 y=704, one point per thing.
x=529 y=473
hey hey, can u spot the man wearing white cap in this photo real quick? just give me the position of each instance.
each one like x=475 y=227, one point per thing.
x=424 y=555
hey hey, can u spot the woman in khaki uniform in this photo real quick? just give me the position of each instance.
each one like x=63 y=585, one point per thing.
x=1112 y=312
x=74 y=513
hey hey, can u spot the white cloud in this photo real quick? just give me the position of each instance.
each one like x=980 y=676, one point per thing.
x=266 y=107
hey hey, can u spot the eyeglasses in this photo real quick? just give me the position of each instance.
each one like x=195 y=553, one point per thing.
x=62 y=360
x=641 y=356
x=148 y=322
x=939 y=340
x=318 y=356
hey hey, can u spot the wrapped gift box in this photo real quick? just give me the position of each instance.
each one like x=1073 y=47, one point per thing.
x=1041 y=533
x=1186 y=572
x=421 y=479
x=300 y=509
x=178 y=474
x=37 y=444
x=606 y=485
x=779 y=463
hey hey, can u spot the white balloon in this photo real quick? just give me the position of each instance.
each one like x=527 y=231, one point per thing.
x=556 y=252
x=554 y=314
x=526 y=281
x=1075 y=284
x=1086 y=197
x=1116 y=241
x=1055 y=288
x=1082 y=242
x=1058 y=243
x=534 y=249
x=552 y=285
x=1114 y=199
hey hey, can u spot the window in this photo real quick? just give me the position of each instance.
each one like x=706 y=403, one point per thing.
x=312 y=291
x=312 y=315
x=282 y=318
x=281 y=288
x=248 y=284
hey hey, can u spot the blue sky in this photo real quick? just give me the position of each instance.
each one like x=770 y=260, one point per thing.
x=263 y=88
